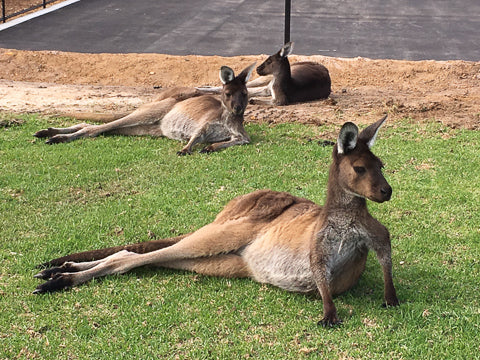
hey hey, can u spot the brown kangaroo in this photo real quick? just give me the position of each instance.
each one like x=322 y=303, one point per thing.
x=181 y=114
x=271 y=237
x=303 y=81
x=285 y=83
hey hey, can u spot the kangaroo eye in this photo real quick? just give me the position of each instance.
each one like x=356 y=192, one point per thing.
x=359 y=170
x=227 y=94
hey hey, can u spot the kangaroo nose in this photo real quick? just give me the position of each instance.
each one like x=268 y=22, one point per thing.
x=238 y=109
x=387 y=192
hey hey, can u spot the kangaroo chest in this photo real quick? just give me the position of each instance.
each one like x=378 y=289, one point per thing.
x=271 y=87
x=343 y=245
x=180 y=126
x=218 y=131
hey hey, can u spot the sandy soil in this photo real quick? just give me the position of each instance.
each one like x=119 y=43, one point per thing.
x=12 y=6
x=52 y=82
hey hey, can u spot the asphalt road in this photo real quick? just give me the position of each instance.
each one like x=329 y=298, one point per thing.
x=386 y=29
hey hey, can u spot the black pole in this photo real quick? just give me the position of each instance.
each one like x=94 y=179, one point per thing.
x=3 y=11
x=288 y=6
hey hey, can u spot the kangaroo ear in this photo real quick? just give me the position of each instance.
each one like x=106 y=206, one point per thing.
x=286 y=49
x=369 y=134
x=226 y=74
x=347 y=139
x=246 y=73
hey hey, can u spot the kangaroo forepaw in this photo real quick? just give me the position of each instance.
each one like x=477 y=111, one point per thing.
x=390 y=303
x=207 y=149
x=329 y=323
x=59 y=282
x=184 y=152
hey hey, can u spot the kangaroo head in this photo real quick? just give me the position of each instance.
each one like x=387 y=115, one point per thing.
x=358 y=170
x=274 y=62
x=234 y=92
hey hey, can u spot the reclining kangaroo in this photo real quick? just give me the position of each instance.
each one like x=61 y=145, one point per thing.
x=285 y=84
x=271 y=237
x=303 y=81
x=180 y=114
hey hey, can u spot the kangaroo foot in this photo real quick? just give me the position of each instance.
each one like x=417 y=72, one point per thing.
x=51 y=272
x=57 y=139
x=45 y=133
x=58 y=282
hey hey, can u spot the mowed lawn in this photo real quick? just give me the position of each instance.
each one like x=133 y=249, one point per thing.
x=107 y=191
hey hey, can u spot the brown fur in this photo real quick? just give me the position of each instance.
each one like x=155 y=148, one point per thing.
x=272 y=237
x=303 y=81
x=185 y=114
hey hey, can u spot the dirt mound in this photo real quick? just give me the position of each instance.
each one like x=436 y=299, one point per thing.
x=55 y=82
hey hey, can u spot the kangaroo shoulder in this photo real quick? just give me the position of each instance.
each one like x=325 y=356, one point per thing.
x=261 y=205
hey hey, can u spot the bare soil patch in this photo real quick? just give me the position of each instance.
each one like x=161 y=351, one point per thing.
x=52 y=82
x=13 y=6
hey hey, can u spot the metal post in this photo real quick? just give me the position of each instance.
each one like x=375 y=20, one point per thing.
x=287 y=20
x=44 y=4
x=3 y=11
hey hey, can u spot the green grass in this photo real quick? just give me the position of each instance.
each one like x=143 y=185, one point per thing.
x=114 y=190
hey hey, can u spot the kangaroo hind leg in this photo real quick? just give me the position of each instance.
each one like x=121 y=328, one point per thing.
x=224 y=265
x=209 y=241
x=86 y=260
x=63 y=135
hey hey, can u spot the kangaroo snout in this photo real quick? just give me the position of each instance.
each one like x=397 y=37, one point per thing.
x=260 y=69
x=238 y=109
x=386 y=192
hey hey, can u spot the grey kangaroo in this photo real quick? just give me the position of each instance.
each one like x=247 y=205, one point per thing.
x=271 y=237
x=285 y=83
x=299 y=82
x=181 y=114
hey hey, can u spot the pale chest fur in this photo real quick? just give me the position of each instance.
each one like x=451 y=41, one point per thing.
x=178 y=126
x=282 y=267
x=272 y=89
x=182 y=126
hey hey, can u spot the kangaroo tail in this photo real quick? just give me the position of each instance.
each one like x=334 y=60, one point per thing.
x=139 y=248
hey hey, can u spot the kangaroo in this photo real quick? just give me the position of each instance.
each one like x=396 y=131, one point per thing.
x=285 y=83
x=300 y=82
x=271 y=237
x=181 y=114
